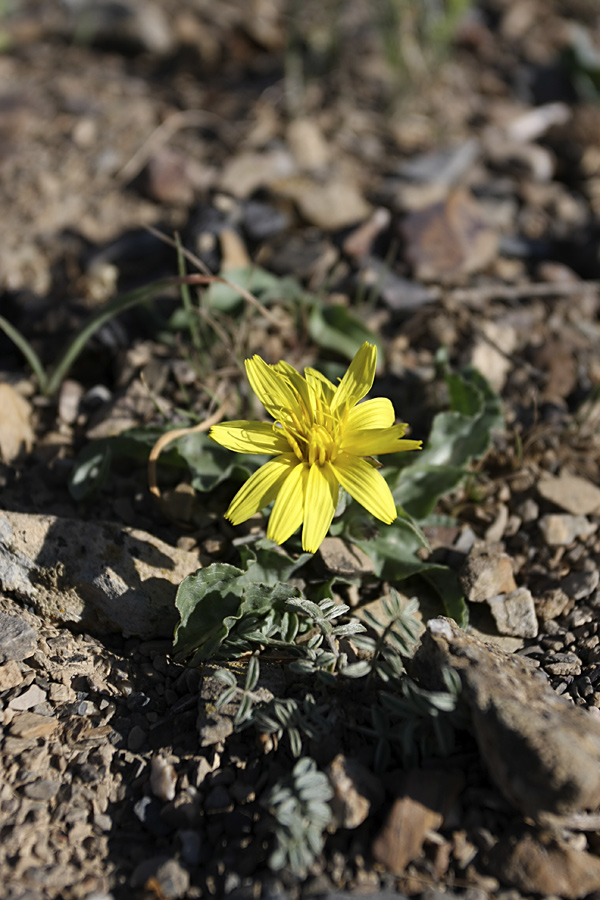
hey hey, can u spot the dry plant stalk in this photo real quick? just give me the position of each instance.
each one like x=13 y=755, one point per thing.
x=168 y=438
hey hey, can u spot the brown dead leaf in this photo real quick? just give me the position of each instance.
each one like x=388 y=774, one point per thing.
x=449 y=239
x=16 y=433
x=427 y=796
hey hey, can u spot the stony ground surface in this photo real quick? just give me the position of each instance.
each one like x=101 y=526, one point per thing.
x=452 y=205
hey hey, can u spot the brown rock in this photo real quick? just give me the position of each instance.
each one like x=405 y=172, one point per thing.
x=551 y=603
x=542 y=752
x=31 y=725
x=356 y=791
x=541 y=864
x=427 y=796
x=329 y=205
x=485 y=573
x=10 y=675
x=345 y=559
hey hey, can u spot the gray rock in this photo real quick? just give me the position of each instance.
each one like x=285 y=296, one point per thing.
x=485 y=573
x=101 y=578
x=561 y=529
x=578 y=585
x=173 y=879
x=528 y=510
x=575 y=495
x=542 y=752
x=28 y=699
x=563 y=664
x=18 y=640
x=514 y=613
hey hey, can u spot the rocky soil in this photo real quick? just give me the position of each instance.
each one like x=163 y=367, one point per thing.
x=447 y=202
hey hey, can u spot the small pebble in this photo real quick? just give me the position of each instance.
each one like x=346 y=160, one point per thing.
x=163 y=778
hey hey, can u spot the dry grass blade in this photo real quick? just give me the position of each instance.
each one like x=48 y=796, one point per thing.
x=168 y=438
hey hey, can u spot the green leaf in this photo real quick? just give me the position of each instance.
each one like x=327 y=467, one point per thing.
x=421 y=486
x=214 y=604
x=209 y=602
x=211 y=464
x=94 y=462
x=394 y=550
x=335 y=328
x=457 y=437
x=265 y=286
x=465 y=397
x=394 y=554
x=264 y=561
x=91 y=471
x=445 y=583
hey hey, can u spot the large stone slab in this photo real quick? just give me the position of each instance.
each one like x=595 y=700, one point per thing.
x=97 y=576
x=541 y=750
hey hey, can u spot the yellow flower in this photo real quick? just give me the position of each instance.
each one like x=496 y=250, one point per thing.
x=319 y=441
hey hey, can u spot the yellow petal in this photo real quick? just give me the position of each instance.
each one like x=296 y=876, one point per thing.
x=320 y=501
x=298 y=384
x=261 y=488
x=250 y=437
x=288 y=510
x=321 y=385
x=366 y=485
x=270 y=386
x=358 y=379
x=373 y=441
x=375 y=413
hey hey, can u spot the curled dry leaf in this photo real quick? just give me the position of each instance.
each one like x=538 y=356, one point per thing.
x=16 y=433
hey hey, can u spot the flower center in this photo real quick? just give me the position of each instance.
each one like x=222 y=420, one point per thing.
x=312 y=441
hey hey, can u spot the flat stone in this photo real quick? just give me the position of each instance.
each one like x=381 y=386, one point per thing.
x=542 y=864
x=563 y=664
x=561 y=529
x=28 y=699
x=514 y=613
x=575 y=495
x=31 y=725
x=99 y=577
x=542 y=751
x=18 y=640
x=43 y=789
x=485 y=573
x=578 y=585
x=345 y=559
